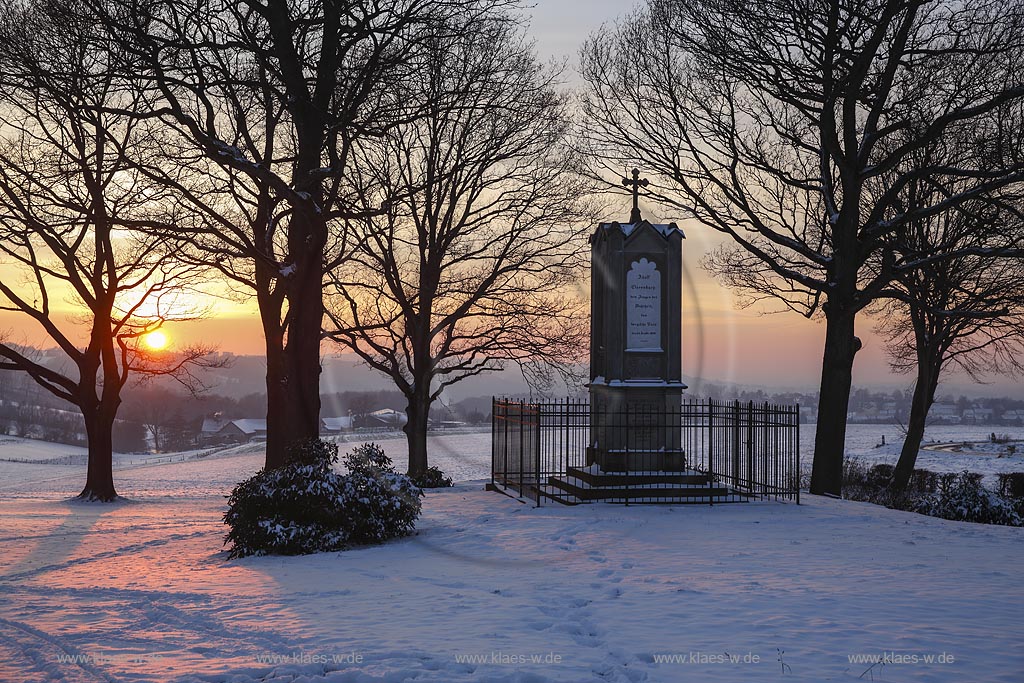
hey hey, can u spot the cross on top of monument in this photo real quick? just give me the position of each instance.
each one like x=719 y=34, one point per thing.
x=636 y=183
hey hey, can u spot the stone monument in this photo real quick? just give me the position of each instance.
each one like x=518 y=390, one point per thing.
x=636 y=343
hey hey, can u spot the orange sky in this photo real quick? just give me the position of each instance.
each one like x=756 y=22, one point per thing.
x=721 y=343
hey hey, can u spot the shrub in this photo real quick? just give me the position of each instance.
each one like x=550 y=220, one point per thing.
x=307 y=507
x=1011 y=487
x=1011 y=484
x=855 y=477
x=379 y=502
x=880 y=475
x=866 y=484
x=923 y=481
x=962 y=497
x=957 y=496
x=433 y=478
x=290 y=510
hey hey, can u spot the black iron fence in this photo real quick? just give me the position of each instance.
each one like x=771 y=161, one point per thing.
x=701 y=451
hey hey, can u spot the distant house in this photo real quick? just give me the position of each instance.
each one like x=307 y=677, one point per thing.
x=946 y=413
x=211 y=426
x=978 y=415
x=1015 y=416
x=333 y=425
x=888 y=410
x=385 y=418
x=216 y=430
x=250 y=427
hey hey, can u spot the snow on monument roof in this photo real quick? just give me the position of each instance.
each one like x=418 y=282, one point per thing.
x=628 y=229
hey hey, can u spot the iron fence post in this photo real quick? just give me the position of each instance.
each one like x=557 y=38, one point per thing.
x=711 y=450
x=521 y=405
x=625 y=440
x=750 y=447
x=735 y=441
x=796 y=447
x=537 y=445
x=504 y=471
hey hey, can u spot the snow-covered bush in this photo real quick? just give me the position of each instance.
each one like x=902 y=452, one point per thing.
x=433 y=478
x=1011 y=487
x=379 y=502
x=307 y=507
x=923 y=481
x=867 y=484
x=1011 y=484
x=291 y=510
x=963 y=497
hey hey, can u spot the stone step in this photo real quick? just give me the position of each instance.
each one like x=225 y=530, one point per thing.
x=635 y=478
x=559 y=496
x=664 y=492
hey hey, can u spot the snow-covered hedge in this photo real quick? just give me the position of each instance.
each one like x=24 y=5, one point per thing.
x=964 y=498
x=307 y=507
x=433 y=478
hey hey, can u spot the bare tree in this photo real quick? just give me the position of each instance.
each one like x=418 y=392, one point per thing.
x=66 y=183
x=771 y=122
x=965 y=312
x=266 y=102
x=156 y=420
x=470 y=267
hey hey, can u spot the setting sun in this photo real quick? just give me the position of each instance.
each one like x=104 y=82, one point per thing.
x=156 y=340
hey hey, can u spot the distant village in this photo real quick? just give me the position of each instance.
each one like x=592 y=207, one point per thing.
x=217 y=430
x=893 y=407
x=157 y=418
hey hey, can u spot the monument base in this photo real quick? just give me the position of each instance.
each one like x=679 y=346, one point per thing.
x=636 y=426
x=639 y=461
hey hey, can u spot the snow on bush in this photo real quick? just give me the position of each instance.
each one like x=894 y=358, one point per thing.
x=963 y=497
x=307 y=507
x=433 y=478
x=960 y=497
x=379 y=503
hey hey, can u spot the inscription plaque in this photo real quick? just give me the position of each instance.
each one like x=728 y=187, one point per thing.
x=643 y=307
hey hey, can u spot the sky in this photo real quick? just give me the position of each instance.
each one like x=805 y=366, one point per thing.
x=721 y=342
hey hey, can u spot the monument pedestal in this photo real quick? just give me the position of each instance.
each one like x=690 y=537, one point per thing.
x=635 y=427
x=636 y=367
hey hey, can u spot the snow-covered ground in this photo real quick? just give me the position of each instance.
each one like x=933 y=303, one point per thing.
x=142 y=591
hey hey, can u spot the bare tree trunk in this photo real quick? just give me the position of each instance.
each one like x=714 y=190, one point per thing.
x=99 y=428
x=277 y=399
x=841 y=345
x=301 y=355
x=293 y=362
x=417 y=413
x=924 y=395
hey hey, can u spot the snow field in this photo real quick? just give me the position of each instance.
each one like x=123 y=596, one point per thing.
x=492 y=589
